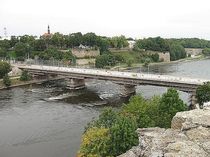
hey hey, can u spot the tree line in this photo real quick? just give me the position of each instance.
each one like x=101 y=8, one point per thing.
x=23 y=46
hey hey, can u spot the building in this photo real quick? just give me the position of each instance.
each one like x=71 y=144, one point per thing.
x=193 y=51
x=48 y=34
x=131 y=43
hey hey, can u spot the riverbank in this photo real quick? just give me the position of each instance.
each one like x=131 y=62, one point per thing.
x=17 y=83
x=136 y=65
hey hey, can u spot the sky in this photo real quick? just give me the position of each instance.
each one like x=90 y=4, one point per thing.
x=132 y=18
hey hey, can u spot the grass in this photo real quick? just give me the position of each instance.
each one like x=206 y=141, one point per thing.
x=130 y=55
x=14 y=81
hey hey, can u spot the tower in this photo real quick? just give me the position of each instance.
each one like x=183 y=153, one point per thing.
x=5 y=32
x=48 y=29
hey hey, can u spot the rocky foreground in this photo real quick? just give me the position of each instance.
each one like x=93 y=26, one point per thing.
x=189 y=136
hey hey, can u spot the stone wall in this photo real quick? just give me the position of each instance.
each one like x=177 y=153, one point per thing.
x=189 y=136
x=193 y=51
x=116 y=50
x=85 y=61
x=83 y=53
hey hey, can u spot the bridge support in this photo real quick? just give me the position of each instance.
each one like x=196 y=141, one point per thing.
x=72 y=83
x=128 y=90
x=193 y=101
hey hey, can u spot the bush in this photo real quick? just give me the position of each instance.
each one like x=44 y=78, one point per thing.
x=122 y=136
x=114 y=132
x=111 y=135
x=6 y=80
x=25 y=76
x=95 y=143
x=4 y=68
x=169 y=105
x=203 y=93
x=157 y=112
x=144 y=111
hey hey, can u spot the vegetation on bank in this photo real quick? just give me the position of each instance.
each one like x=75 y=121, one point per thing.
x=4 y=69
x=113 y=133
x=203 y=94
x=6 y=81
x=49 y=47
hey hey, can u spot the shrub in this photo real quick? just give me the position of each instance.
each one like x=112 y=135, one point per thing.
x=25 y=76
x=6 y=80
x=4 y=68
x=111 y=135
x=122 y=135
x=144 y=111
x=203 y=93
x=94 y=143
x=170 y=104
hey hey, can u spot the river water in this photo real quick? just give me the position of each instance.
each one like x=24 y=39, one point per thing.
x=46 y=121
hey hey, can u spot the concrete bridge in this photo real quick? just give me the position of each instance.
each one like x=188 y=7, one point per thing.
x=75 y=78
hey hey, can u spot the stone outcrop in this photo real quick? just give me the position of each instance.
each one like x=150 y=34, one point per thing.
x=189 y=136
x=15 y=72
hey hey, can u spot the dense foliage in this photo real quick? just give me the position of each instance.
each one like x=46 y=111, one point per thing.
x=206 y=51
x=203 y=93
x=110 y=135
x=6 y=80
x=158 y=111
x=114 y=132
x=107 y=60
x=25 y=76
x=4 y=68
x=169 y=105
x=177 y=51
x=154 y=44
x=49 y=46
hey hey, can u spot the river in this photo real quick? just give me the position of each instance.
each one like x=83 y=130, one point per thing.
x=46 y=121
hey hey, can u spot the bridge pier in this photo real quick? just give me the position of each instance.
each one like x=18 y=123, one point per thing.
x=128 y=90
x=72 y=83
x=193 y=101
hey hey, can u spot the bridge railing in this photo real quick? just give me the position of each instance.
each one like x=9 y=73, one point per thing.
x=55 y=63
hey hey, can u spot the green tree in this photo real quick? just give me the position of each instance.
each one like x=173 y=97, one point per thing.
x=106 y=119
x=107 y=59
x=118 y=42
x=4 y=68
x=144 y=111
x=206 y=51
x=177 y=51
x=14 y=40
x=3 y=53
x=25 y=76
x=21 y=49
x=122 y=135
x=155 y=57
x=114 y=135
x=58 y=40
x=203 y=93
x=6 y=80
x=95 y=143
x=170 y=104
x=154 y=44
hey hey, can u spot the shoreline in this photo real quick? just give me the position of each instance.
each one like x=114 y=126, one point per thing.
x=27 y=83
x=136 y=65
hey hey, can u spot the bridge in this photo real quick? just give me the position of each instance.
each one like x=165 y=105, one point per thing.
x=75 y=78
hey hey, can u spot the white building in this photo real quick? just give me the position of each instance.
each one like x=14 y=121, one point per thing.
x=131 y=43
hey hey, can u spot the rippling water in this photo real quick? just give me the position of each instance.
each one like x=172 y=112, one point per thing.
x=43 y=121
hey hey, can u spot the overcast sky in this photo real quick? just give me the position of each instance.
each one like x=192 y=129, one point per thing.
x=132 y=18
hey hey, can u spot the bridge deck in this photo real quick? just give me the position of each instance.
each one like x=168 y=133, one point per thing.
x=109 y=73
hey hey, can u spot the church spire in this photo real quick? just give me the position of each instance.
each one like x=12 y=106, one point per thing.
x=48 y=29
